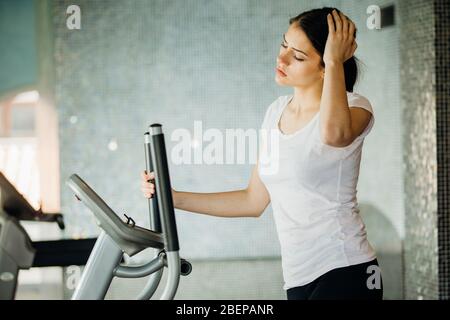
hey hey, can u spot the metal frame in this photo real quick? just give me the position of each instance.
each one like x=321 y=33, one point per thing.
x=119 y=237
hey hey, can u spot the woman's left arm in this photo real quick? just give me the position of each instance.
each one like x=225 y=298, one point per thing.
x=340 y=125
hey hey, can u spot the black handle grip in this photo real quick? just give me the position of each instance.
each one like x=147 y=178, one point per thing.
x=155 y=221
x=163 y=187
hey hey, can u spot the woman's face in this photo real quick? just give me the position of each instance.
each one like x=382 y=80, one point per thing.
x=298 y=60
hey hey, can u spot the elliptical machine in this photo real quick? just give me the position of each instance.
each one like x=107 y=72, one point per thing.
x=120 y=237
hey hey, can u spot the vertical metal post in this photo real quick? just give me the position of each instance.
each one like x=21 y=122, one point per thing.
x=98 y=273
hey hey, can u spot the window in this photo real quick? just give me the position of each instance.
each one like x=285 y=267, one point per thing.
x=18 y=144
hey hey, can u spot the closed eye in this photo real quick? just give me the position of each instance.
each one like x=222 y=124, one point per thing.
x=295 y=57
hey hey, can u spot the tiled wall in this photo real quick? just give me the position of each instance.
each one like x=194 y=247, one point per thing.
x=138 y=62
x=442 y=43
x=425 y=91
x=417 y=56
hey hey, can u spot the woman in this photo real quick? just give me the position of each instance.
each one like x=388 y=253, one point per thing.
x=320 y=131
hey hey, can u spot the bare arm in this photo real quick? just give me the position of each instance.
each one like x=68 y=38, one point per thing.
x=340 y=125
x=249 y=202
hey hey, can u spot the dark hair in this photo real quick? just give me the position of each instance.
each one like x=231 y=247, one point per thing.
x=314 y=24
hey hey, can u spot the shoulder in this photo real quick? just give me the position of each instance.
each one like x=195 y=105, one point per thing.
x=358 y=100
x=276 y=106
x=363 y=124
x=279 y=103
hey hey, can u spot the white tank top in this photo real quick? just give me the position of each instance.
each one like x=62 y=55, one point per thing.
x=312 y=187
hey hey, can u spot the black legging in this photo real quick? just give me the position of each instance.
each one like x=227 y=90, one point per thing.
x=342 y=283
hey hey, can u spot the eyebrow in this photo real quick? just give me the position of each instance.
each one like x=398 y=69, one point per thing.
x=284 y=38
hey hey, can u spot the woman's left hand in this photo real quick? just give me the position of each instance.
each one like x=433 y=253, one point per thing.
x=341 y=43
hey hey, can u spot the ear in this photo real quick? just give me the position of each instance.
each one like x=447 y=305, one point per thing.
x=322 y=70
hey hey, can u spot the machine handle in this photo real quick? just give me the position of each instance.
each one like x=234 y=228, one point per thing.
x=163 y=188
x=155 y=221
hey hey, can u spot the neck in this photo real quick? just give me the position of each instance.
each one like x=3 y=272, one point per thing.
x=306 y=99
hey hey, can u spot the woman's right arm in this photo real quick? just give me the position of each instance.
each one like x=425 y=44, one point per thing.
x=249 y=202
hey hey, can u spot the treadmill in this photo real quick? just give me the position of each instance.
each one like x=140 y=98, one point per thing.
x=18 y=251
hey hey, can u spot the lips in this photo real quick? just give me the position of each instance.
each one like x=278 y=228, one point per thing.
x=281 y=72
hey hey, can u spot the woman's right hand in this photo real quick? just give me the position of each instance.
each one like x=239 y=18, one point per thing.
x=147 y=184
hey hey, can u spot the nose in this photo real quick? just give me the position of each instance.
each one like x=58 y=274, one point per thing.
x=281 y=59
